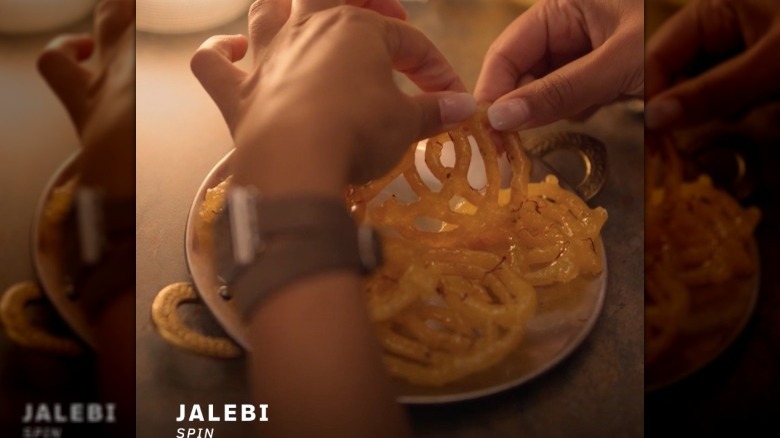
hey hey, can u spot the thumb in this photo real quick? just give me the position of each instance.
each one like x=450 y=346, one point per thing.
x=213 y=65
x=60 y=65
x=440 y=111
x=592 y=80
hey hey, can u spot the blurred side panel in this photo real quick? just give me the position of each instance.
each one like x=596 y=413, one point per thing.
x=713 y=359
x=50 y=373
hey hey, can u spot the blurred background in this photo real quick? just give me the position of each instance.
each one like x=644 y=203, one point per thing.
x=737 y=392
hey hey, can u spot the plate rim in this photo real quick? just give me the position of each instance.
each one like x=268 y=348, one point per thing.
x=234 y=328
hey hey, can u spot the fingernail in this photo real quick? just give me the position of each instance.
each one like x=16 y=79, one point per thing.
x=456 y=107
x=508 y=114
x=661 y=113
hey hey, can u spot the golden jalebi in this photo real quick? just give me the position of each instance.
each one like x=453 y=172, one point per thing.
x=457 y=288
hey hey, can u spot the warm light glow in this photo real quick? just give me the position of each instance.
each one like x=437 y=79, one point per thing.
x=28 y=16
x=184 y=16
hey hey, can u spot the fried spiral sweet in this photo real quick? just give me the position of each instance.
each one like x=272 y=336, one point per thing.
x=443 y=313
x=699 y=250
x=457 y=287
x=548 y=233
x=461 y=262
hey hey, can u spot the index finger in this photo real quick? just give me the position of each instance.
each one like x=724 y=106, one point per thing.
x=506 y=60
x=414 y=55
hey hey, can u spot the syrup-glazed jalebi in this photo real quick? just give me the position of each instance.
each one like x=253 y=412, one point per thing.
x=456 y=289
x=548 y=233
x=461 y=262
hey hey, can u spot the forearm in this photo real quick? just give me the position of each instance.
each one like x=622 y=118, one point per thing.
x=320 y=109
x=316 y=362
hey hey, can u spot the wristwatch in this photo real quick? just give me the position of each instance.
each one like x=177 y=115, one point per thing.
x=98 y=249
x=262 y=245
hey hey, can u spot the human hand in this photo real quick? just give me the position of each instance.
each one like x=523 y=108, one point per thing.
x=713 y=59
x=320 y=107
x=94 y=78
x=563 y=59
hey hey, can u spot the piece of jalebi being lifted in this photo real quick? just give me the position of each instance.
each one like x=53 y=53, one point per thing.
x=461 y=262
x=699 y=248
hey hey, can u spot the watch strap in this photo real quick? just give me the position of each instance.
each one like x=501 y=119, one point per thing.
x=292 y=238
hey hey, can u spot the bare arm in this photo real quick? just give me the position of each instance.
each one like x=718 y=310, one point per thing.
x=320 y=109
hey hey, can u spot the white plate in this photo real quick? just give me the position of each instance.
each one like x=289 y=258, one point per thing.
x=565 y=316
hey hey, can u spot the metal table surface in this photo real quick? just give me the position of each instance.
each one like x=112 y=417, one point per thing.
x=597 y=391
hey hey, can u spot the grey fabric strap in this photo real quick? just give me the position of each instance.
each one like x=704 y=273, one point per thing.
x=302 y=214
x=300 y=236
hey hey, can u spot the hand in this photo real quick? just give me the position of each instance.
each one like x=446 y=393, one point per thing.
x=713 y=59
x=94 y=78
x=320 y=107
x=563 y=58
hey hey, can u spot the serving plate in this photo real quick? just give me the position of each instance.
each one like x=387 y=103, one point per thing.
x=565 y=314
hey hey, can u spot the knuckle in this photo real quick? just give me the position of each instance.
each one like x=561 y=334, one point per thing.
x=555 y=90
x=634 y=81
x=558 y=7
x=260 y=12
x=347 y=14
x=340 y=17
x=201 y=59
x=257 y=7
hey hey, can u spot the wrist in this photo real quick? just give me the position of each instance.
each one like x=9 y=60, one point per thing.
x=263 y=245
x=292 y=159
